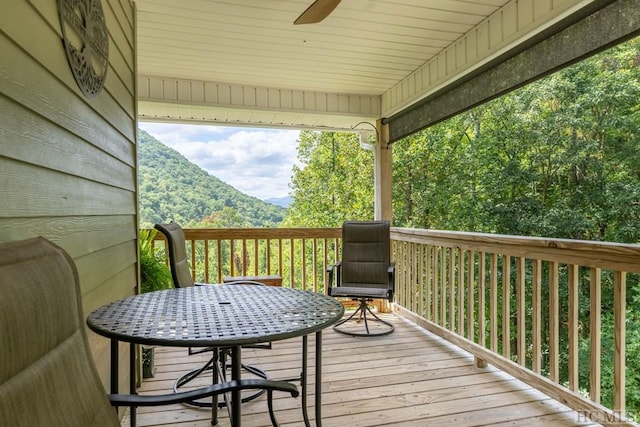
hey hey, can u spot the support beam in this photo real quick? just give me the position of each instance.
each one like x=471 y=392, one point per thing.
x=609 y=23
x=383 y=174
x=166 y=99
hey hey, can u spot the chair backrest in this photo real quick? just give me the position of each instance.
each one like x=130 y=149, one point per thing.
x=365 y=253
x=47 y=375
x=177 y=254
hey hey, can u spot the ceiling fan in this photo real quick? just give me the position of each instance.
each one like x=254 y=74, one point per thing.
x=317 y=11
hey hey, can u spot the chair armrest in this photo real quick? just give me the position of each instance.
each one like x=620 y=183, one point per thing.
x=330 y=270
x=391 y=271
x=186 y=396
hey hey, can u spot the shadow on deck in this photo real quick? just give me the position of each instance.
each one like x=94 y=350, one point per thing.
x=408 y=378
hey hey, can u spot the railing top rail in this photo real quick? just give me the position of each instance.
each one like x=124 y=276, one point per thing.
x=258 y=233
x=606 y=255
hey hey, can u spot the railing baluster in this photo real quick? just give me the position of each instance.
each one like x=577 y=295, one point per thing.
x=244 y=258
x=573 y=327
x=506 y=306
x=493 y=301
x=421 y=279
x=481 y=299
x=417 y=292
x=219 y=266
x=536 y=333
x=292 y=255
x=256 y=270
x=521 y=301
x=435 y=283
x=193 y=259
x=443 y=286
x=206 y=262
x=428 y=279
x=232 y=255
x=268 y=256
x=452 y=289
x=619 y=315
x=461 y=256
x=471 y=296
x=280 y=269
x=325 y=266
x=595 y=327
x=554 y=323
x=304 y=263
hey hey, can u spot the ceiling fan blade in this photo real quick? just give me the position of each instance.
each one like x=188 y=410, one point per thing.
x=318 y=10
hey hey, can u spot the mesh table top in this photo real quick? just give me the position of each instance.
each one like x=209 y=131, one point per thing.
x=215 y=315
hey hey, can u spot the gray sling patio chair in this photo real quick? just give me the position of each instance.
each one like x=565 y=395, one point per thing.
x=47 y=374
x=179 y=265
x=365 y=273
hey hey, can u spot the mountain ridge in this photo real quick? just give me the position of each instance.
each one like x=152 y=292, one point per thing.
x=171 y=188
x=280 y=201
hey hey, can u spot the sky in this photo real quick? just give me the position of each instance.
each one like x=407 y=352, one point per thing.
x=257 y=162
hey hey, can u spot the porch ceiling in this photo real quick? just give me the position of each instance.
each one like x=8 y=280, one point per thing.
x=243 y=62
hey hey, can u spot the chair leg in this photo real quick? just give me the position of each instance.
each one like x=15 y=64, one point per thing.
x=218 y=364
x=362 y=311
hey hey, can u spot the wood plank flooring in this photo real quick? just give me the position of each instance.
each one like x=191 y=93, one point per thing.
x=408 y=378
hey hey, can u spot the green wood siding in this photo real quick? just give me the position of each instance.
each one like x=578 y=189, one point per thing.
x=68 y=164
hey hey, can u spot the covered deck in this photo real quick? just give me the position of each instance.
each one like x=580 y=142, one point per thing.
x=69 y=171
x=408 y=378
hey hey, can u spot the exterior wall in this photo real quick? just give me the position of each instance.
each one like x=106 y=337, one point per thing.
x=68 y=164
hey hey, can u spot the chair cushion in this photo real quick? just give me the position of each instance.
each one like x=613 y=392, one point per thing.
x=359 y=292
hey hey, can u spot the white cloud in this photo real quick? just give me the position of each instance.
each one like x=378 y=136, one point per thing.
x=257 y=162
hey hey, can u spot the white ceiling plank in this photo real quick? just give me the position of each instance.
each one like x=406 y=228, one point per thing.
x=247 y=55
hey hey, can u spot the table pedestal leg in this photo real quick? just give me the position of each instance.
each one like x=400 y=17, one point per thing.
x=236 y=398
x=132 y=375
x=132 y=381
x=319 y=378
x=114 y=366
x=303 y=380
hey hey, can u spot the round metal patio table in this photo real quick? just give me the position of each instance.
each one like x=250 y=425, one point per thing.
x=219 y=316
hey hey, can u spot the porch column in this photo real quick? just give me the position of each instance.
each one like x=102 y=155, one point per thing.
x=382 y=174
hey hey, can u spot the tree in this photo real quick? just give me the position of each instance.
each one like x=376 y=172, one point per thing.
x=335 y=182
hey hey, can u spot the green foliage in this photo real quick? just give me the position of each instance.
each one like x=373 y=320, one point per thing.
x=154 y=273
x=335 y=182
x=557 y=158
x=174 y=189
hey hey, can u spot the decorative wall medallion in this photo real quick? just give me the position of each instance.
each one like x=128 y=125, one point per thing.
x=85 y=38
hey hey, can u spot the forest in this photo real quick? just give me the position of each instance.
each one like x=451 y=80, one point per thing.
x=557 y=158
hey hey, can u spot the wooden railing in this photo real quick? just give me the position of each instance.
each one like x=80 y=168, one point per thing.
x=511 y=301
x=299 y=255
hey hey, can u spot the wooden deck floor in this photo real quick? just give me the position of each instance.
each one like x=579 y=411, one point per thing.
x=408 y=378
